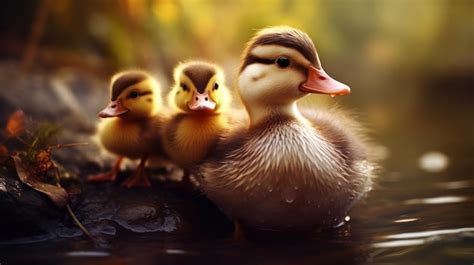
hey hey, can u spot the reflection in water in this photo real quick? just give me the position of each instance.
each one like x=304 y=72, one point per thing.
x=453 y=185
x=437 y=200
x=399 y=243
x=87 y=254
x=432 y=233
x=419 y=238
x=406 y=220
x=175 y=251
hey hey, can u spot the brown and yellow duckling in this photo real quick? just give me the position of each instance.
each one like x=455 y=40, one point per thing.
x=200 y=99
x=291 y=169
x=131 y=125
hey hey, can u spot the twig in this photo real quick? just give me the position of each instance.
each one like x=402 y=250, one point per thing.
x=79 y=224
x=59 y=146
x=34 y=142
x=71 y=213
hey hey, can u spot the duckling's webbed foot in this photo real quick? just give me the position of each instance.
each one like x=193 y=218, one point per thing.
x=139 y=177
x=107 y=176
x=103 y=177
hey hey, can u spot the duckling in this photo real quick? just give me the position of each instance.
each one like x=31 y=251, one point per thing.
x=132 y=125
x=289 y=169
x=200 y=99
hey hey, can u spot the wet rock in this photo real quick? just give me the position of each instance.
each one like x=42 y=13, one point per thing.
x=137 y=210
x=23 y=211
x=105 y=210
x=157 y=209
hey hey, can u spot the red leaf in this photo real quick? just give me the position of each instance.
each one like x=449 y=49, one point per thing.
x=15 y=123
x=3 y=150
x=57 y=194
x=3 y=153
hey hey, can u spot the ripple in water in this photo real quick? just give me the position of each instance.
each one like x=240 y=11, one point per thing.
x=420 y=238
x=437 y=200
x=87 y=254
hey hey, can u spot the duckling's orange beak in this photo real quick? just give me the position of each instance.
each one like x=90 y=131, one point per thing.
x=320 y=82
x=201 y=102
x=114 y=109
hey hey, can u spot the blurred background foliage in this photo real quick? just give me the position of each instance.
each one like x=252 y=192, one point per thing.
x=409 y=62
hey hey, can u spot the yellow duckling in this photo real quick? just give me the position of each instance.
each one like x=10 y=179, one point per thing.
x=132 y=125
x=291 y=169
x=199 y=97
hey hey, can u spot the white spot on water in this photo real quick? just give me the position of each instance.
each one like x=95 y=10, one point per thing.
x=437 y=200
x=431 y=233
x=406 y=220
x=87 y=254
x=175 y=251
x=433 y=162
x=399 y=243
x=290 y=200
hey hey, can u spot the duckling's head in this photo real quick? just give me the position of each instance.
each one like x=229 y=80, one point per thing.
x=281 y=65
x=199 y=88
x=134 y=95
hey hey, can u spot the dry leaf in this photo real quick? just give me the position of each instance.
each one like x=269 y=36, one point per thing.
x=44 y=162
x=57 y=194
x=15 y=123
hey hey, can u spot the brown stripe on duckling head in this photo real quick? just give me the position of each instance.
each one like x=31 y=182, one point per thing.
x=124 y=81
x=200 y=73
x=286 y=37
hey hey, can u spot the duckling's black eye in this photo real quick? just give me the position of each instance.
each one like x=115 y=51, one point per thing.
x=283 y=62
x=216 y=86
x=133 y=94
x=184 y=87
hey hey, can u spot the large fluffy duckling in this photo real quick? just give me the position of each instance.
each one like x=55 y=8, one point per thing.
x=131 y=125
x=200 y=98
x=289 y=170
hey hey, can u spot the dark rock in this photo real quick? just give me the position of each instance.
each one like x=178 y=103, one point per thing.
x=105 y=210
x=23 y=211
x=137 y=210
x=147 y=210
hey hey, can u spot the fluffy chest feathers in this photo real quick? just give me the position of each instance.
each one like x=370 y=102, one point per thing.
x=122 y=138
x=190 y=137
x=283 y=154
